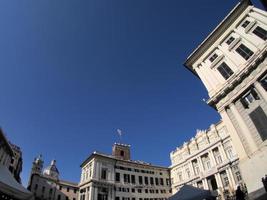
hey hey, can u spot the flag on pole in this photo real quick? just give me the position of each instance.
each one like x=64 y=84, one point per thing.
x=119 y=132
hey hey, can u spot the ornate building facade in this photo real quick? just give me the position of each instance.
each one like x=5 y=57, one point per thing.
x=16 y=162
x=231 y=62
x=117 y=177
x=46 y=185
x=207 y=161
x=10 y=188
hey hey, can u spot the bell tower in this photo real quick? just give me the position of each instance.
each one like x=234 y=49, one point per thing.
x=121 y=151
x=37 y=165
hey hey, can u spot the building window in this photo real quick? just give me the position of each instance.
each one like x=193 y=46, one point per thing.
x=104 y=174
x=249 y=98
x=225 y=179
x=146 y=180
x=244 y=51
x=180 y=177
x=213 y=57
x=133 y=190
x=161 y=181
x=58 y=197
x=230 y=40
x=139 y=190
x=126 y=178
x=259 y=120
x=260 y=32
x=151 y=181
x=263 y=83
x=133 y=179
x=156 y=181
x=245 y=24
x=117 y=198
x=68 y=189
x=117 y=178
x=43 y=189
x=225 y=70
x=122 y=153
x=140 y=178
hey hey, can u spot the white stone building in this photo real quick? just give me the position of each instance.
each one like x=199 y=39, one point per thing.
x=46 y=185
x=231 y=62
x=207 y=161
x=10 y=188
x=117 y=177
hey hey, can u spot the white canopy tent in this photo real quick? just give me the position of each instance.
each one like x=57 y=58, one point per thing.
x=188 y=192
x=10 y=187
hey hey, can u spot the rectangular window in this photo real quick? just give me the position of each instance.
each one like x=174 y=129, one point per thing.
x=133 y=179
x=263 y=83
x=245 y=24
x=146 y=180
x=213 y=57
x=140 y=178
x=259 y=119
x=260 y=32
x=126 y=178
x=161 y=181
x=225 y=70
x=157 y=181
x=230 y=40
x=104 y=174
x=117 y=178
x=249 y=98
x=151 y=181
x=244 y=51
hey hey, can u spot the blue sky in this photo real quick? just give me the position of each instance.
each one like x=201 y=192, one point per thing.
x=72 y=72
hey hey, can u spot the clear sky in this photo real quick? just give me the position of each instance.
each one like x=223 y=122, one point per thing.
x=73 y=71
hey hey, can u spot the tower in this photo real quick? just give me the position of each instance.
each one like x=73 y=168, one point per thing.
x=37 y=165
x=231 y=62
x=52 y=170
x=121 y=151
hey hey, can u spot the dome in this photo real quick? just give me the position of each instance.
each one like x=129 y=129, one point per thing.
x=52 y=170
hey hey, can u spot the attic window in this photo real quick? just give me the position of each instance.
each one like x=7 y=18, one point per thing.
x=230 y=40
x=245 y=24
x=213 y=57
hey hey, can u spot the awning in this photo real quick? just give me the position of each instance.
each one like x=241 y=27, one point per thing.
x=9 y=186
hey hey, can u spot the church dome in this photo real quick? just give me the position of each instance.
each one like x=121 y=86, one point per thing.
x=52 y=170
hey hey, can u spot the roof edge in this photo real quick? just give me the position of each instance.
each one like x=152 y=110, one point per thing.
x=217 y=32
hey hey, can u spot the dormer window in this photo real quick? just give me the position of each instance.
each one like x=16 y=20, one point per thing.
x=225 y=70
x=245 y=24
x=213 y=57
x=230 y=40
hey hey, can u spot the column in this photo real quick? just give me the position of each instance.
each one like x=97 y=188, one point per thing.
x=205 y=184
x=245 y=131
x=234 y=135
x=261 y=90
x=191 y=168
x=218 y=180
x=222 y=152
x=212 y=158
x=200 y=164
x=231 y=177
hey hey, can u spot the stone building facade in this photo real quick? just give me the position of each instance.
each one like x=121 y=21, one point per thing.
x=16 y=162
x=208 y=161
x=231 y=62
x=10 y=188
x=117 y=177
x=46 y=185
